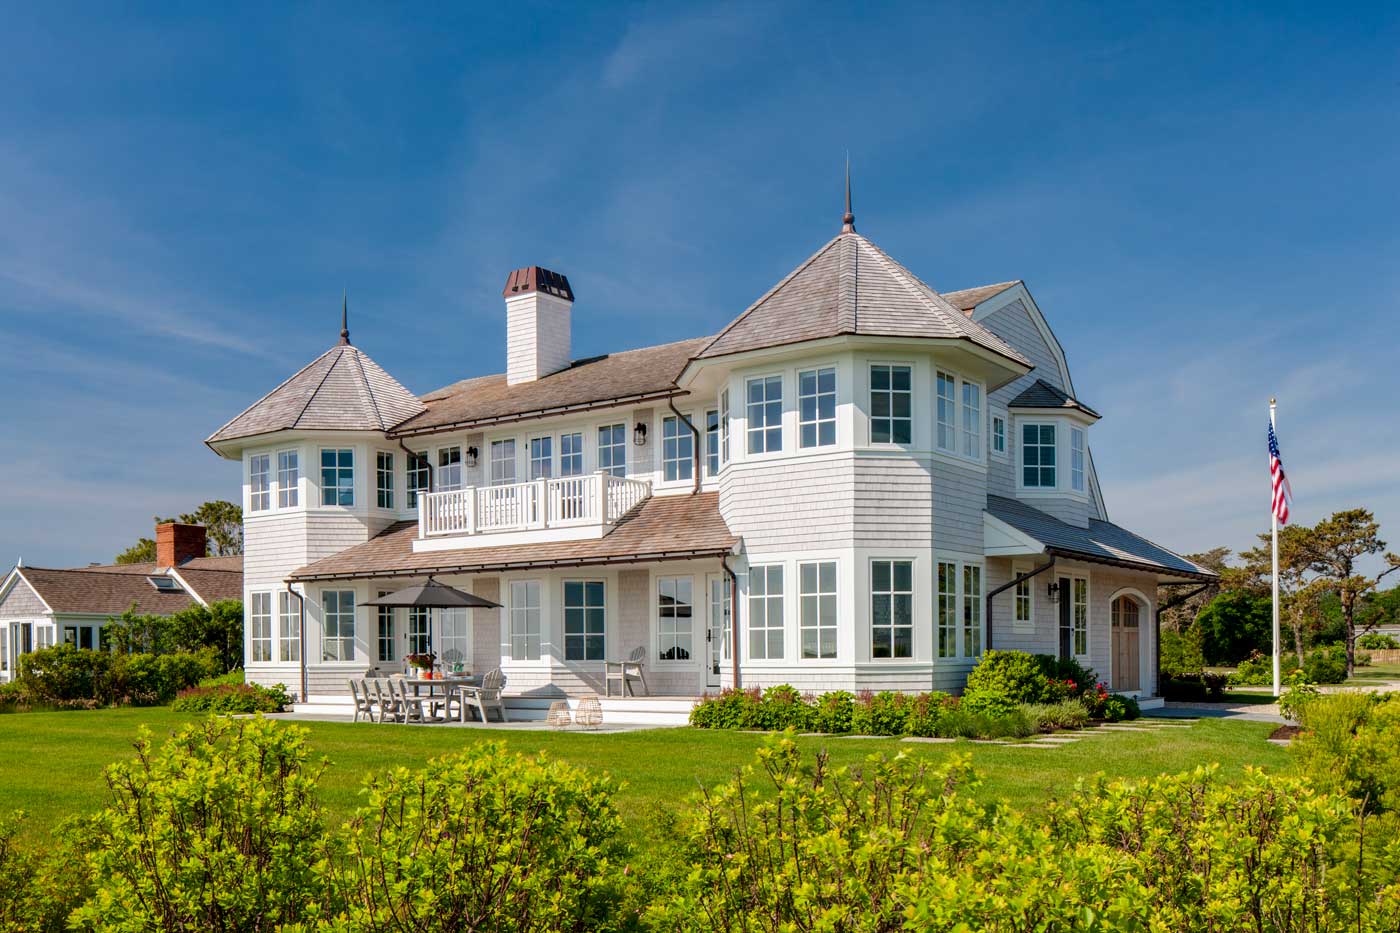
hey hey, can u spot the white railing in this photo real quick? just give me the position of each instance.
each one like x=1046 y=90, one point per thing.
x=598 y=499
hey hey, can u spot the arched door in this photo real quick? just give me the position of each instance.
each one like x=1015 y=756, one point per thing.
x=1127 y=659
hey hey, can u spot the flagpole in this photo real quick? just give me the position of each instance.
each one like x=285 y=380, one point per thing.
x=1273 y=515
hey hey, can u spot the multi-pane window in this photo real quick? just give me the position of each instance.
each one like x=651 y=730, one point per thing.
x=816 y=407
x=288 y=478
x=766 y=613
x=947 y=412
x=384 y=479
x=584 y=620
x=338 y=625
x=503 y=462
x=541 y=457
x=998 y=434
x=455 y=636
x=892 y=609
x=972 y=610
x=417 y=477
x=1076 y=459
x=260 y=627
x=816 y=591
x=259 y=483
x=724 y=426
x=765 y=414
x=1038 y=456
x=675 y=618
x=288 y=617
x=891 y=404
x=1079 y=616
x=525 y=620
x=571 y=454
x=971 y=420
x=337 y=476
x=947 y=609
x=449 y=469
x=1023 y=609
x=677 y=449
x=712 y=442
x=612 y=449
x=420 y=630
x=385 y=633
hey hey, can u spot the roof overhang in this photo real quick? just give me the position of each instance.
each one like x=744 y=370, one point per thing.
x=512 y=565
x=16 y=576
x=1001 y=539
x=536 y=414
x=1085 y=418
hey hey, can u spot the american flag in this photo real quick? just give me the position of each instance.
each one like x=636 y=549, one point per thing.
x=1282 y=491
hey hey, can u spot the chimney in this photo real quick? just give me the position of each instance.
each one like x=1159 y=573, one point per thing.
x=177 y=543
x=539 y=305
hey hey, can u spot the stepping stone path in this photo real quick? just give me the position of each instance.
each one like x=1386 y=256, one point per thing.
x=1050 y=740
x=926 y=739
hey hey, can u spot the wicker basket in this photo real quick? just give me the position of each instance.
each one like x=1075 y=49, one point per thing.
x=559 y=714
x=589 y=713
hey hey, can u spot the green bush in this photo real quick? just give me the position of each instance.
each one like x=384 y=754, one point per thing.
x=1002 y=681
x=1181 y=652
x=1257 y=670
x=1348 y=744
x=1186 y=689
x=884 y=713
x=482 y=840
x=925 y=712
x=232 y=698
x=1067 y=672
x=1299 y=693
x=731 y=709
x=1378 y=641
x=1326 y=665
x=1066 y=714
x=67 y=677
x=782 y=707
x=1111 y=707
x=834 y=712
x=1014 y=724
x=1233 y=625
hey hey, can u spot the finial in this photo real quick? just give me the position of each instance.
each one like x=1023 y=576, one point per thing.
x=344 y=319
x=848 y=222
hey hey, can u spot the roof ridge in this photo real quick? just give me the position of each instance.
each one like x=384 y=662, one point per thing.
x=369 y=391
x=278 y=388
x=306 y=406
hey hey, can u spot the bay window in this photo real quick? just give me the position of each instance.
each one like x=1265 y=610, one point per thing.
x=1038 y=456
x=1076 y=459
x=288 y=478
x=765 y=414
x=947 y=412
x=712 y=442
x=972 y=420
x=259 y=483
x=337 y=476
x=891 y=609
x=724 y=426
x=891 y=404
x=816 y=407
x=384 y=479
x=418 y=477
x=816 y=593
x=766 y=613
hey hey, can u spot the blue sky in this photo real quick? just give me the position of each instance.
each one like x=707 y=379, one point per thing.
x=1202 y=200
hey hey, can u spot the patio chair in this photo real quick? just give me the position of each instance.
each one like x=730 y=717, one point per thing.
x=624 y=672
x=363 y=705
x=486 y=697
x=382 y=692
x=412 y=708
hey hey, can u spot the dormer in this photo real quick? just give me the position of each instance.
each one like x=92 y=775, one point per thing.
x=539 y=308
x=1052 y=447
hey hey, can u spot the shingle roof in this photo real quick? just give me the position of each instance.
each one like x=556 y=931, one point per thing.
x=113 y=590
x=1103 y=542
x=967 y=299
x=850 y=286
x=1041 y=394
x=663 y=528
x=588 y=383
x=340 y=390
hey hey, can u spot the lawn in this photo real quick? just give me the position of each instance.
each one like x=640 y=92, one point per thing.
x=51 y=763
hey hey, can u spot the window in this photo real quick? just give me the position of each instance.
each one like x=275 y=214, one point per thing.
x=816 y=591
x=503 y=462
x=418 y=477
x=765 y=410
x=724 y=426
x=455 y=636
x=1125 y=612
x=384 y=479
x=386 y=640
x=1076 y=459
x=571 y=454
x=288 y=478
x=259 y=483
x=677 y=449
x=972 y=610
x=259 y=627
x=525 y=620
x=288 y=618
x=892 y=609
x=1079 y=616
x=449 y=471
x=612 y=449
x=541 y=457
x=711 y=442
x=420 y=630
x=947 y=609
x=338 y=477
x=675 y=611
x=998 y=435
x=972 y=420
x=1023 y=610
x=816 y=407
x=766 y=613
x=891 y=404
x=584 y=620
x=337 y=625
x=1038 y=456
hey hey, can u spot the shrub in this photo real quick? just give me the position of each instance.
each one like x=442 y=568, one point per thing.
x=482 y=840
x=925 y=711
x=1111 y=707
x=1065 y=671
x=1015 y=724
x=1067 y=714
x=834 y=711
x=1257 y=670
x=232 y=698
x=1298 y=695
x=957 y=722
x=1326 y=665
x=1181 y=652
x=1003 y=680
x=217 y=830
x=1187 y=689
x=64 y=673
x=731 y=709
x=1215 y=682
x=1378 y=641
x=883 y=713
x=1347 y=746
x=782 y=707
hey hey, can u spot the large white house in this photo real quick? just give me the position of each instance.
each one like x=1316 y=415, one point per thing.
x=857 y=483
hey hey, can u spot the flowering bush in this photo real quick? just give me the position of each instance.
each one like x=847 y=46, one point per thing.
x=232 y=698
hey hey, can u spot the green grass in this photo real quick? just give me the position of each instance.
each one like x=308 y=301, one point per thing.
x=51 y=763
x=1375 y=673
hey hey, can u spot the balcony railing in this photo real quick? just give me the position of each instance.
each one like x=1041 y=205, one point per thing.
x=570 y=501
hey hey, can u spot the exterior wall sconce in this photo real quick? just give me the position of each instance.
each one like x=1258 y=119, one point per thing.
x=472 y=453
x=1053 y=591
x=639 y=434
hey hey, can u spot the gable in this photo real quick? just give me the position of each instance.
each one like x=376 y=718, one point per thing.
x=1014 y=323
x=20 y=601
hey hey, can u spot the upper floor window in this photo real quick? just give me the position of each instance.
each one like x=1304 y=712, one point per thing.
x=998 y=435
x=1076 y=459
x=612 y=449
x=712 y=442
x=417 y=477
x=891 y=609
x=1038 y=456
x=571 y=454
x=947 y=412
x=384 y=479
x=259 y=483
x=288 y=478
x=675 y=618
x=724 y=426
x=816 y=407
x=972 y=420
x=337 y=477
x=525 y=620
x=338 y=625
x=766 y=613
x=503 y=462
x=765 y=414
x=584 y=620
x=541 y=457
x=677 y=449
x=449 y=471
x=891 y=404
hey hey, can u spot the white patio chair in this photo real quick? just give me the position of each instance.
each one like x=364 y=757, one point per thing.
x=486 y=697
x=363 y=706
x=412 y=708
x=624 y=672
x=384 y=697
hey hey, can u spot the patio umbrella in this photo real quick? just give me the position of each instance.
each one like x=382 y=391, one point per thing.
x=432 y=595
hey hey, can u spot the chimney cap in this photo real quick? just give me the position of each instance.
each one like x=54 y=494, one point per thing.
x=538 y=279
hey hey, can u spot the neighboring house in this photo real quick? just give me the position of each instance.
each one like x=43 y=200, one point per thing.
x=40 y=607
x=826 y=493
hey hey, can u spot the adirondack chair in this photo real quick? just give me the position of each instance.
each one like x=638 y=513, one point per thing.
x=486 y=697
x=624 y=672
x=364 y=706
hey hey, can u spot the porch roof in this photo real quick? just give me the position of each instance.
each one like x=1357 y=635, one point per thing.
x=676 y=527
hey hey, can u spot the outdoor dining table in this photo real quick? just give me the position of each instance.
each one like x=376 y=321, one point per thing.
x=445 y=686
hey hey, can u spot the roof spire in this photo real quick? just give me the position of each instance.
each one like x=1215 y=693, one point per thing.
x=344 y=319
x=848 y=222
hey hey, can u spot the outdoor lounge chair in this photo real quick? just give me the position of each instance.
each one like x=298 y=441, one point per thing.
x=486 y=697
x=624 y=672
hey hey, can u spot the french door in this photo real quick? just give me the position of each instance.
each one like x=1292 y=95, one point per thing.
x=717 y=623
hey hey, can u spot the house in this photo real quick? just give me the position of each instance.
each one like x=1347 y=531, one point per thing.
x=41 y=607
x=857 y=483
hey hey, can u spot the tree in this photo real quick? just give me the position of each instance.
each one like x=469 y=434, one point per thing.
x=142 y=552
x=1178 y=618
x=1299 y=604
x=222 y=519
x=1233 y=625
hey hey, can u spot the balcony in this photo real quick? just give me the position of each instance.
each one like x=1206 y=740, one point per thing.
x=573 y=507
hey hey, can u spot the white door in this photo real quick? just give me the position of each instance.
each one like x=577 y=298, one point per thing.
x=454 y=642
x=717 y=629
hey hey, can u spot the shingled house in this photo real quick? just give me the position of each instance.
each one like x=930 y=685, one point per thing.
x=857 y=483
x=41 y=606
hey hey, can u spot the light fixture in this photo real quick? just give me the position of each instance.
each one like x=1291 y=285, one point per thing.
x=471 y=456
x=1053 y=591
x=639 y=434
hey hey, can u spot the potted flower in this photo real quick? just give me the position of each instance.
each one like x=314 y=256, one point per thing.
x=421 y=662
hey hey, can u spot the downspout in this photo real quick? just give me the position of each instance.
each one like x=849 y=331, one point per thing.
x=301 y=635
x=426 y=462
x=695 y=448
x=1006 y=586
x=733 y=616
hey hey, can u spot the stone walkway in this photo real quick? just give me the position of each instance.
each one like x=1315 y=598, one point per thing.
x=1059 y=739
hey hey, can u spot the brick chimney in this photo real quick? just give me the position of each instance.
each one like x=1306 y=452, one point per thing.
x=539 y=306
x=177 y=543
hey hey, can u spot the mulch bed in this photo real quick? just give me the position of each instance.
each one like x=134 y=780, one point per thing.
x=1285 y=733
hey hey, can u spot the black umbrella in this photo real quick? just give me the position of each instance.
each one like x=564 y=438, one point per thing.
x=433 y=595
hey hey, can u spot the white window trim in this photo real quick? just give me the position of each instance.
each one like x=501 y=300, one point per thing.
x=270 y=642
x=913 y=405
x=563 y=623
x=393 y=476
x=705 y=471
x=1017 y=626
x=1020 y=464
x=1088 y=651
x=783 y=627
x=835 y=627
x=583 y=462
x=725 y=414
x=626 y=424
x=354 y=478
x=514 y=460
x=1083 y=488
x=277 y=478
x=508 y=657
x=694 y=662
x=1005 y=452
x=960 y=562
x=914 y=600
x=271 y=490
x=530 y=456
x=797 y=372
x=783 y=427
x=955 y=453
x=684 y=423
x=354 y=658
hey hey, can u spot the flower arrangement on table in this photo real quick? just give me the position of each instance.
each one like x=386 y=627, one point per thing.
x=422 y=662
